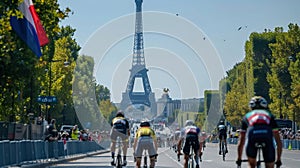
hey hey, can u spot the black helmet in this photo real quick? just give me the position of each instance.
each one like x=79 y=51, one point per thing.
x=145 y=124
x=258 y=102
x=221 y=122
x=120 y=113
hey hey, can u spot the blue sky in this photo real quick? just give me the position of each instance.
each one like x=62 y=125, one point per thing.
x=170 y=52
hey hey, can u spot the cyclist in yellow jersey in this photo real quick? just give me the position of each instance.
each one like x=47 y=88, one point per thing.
x=145 y=139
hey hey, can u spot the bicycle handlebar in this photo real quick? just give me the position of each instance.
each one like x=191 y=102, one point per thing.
x=239 y=163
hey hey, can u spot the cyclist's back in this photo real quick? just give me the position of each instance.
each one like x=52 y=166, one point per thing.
x=260 y=126
x=120 y=128
x=222 y=132
x=190 y=134
x=145 y=139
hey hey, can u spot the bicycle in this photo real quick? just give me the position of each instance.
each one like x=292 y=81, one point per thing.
x=259 y=147
x=119 y=161
x=145 y=159
x=191 y=161
x=223 y=148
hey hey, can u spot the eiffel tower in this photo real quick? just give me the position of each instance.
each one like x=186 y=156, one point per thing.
x=138 y=70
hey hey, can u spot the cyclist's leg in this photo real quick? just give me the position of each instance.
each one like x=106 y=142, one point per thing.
x=113 y=145
x=269 y=153
x=270 y=165
x=138 y=153
x=152 y=161
x=225 y=141
x=186 y=151
x=220 y=144
x=138 y=162
x=251 y=162
x=251 y=150
x=196 y=148
x=186 y=160
x=125 y=147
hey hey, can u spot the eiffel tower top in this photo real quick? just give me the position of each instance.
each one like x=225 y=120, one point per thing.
x=138 y=61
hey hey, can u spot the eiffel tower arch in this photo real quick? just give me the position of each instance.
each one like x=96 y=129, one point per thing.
x=139 y=71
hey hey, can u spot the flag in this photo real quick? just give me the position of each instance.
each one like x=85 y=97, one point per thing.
x=29 y=28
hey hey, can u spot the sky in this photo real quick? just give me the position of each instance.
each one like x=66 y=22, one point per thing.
x=189 y=44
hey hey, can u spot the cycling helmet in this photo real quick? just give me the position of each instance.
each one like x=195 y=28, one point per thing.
x=189 y=122
x=145 y=124
x=120 y=114
x=258 y=102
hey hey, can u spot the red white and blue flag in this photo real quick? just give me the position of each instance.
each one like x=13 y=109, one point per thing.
x=29 y=28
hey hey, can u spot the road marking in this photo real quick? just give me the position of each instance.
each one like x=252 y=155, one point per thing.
x=176 y=161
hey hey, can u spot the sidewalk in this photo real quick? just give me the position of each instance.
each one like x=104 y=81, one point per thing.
x=47 y=162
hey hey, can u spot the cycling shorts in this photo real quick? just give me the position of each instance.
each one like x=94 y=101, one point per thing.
x=261 y=134
x=191 y=140
x=145 y=143
x=222 y=135
x=114 y=134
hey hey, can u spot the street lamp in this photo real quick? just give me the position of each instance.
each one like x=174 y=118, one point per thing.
x=66 y=63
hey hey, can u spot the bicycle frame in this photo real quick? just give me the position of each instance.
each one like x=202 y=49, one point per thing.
x=145 y=159
x=223 y=147
x=191 y=163
x=259 y=147
x=119 y=161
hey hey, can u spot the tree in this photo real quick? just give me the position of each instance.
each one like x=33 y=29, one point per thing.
x=20 y=85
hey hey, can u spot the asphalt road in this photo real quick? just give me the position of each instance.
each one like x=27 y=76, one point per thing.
x=168 y=159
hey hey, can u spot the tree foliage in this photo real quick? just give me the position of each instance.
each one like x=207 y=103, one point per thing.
x=270 y=69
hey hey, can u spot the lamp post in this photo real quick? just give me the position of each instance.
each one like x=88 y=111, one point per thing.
x=66 y=63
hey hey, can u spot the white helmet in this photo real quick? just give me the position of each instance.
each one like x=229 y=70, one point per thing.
x=189 y=122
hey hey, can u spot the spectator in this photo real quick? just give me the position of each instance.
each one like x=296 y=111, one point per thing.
x=75 y=133
x=84 y=135
x=51 y=131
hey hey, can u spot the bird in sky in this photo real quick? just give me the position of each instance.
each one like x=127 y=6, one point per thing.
x=177 y=14
x=239 y=28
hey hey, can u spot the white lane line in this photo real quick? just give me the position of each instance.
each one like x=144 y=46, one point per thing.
x=176 y=161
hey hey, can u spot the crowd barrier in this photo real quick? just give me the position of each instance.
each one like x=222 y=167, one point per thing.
x=19 y=131
x=26 y=151
x=286 y=143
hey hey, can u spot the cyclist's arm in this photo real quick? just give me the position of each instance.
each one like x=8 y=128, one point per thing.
x=241 y=144
x=278 y=143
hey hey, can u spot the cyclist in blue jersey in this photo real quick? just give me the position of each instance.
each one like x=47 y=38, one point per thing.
x=261 y=127
x=222 y=131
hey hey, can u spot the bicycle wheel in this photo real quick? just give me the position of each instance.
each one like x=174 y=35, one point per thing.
x=223 y=151
x=119 y=161
x=191 y=162
x=145 y=161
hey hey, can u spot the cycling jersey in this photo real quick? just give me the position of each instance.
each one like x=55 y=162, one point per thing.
x=145 y=136
x=260 y=125
x=120 y=127
x=145 y=131
x=222 y=129
x=191 y=135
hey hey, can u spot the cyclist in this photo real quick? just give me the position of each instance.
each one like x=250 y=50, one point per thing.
x=261 y=128
x=222 y=132
x=145 y=139
x=176 y=138
x=191 y=135
x=120 y=128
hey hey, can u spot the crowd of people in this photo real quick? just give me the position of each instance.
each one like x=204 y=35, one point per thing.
x=52 y=134
x=288 y=133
